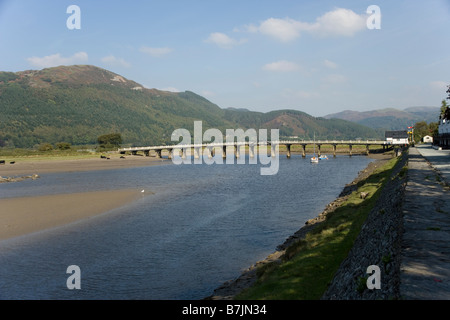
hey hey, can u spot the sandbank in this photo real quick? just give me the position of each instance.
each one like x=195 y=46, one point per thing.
x=38 y=166
x=24 y=215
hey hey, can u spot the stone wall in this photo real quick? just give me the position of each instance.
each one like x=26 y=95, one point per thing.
x=379 y=243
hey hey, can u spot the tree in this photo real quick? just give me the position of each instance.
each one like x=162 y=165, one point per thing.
x=110 y=141
x=444 y=106
x=63 y=145
x=45 y=147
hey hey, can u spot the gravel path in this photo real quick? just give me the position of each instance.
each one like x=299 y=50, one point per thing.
x=425 y=269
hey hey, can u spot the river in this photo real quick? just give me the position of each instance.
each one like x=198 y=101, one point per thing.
x=203 y=225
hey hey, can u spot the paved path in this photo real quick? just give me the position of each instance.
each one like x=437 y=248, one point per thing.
x=425 y=268
x=439 y=159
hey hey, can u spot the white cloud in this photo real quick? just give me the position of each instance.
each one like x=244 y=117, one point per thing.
x=156 y=52
x=113 y=61
x=339 y=22
x=223 y=41
x=282 y=66
x=57 y=60
x=330 y=64
x=284 y=30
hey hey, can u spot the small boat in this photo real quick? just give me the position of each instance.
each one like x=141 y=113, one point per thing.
x=314 y=159
x=324 y=157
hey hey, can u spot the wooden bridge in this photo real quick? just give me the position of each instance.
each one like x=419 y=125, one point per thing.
x=211 y=148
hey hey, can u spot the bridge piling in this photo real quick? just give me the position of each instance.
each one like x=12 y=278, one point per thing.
x=288 y=151
x=196 y=152
x=251 y=151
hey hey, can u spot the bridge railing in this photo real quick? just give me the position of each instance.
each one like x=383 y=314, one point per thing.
x=285 y=142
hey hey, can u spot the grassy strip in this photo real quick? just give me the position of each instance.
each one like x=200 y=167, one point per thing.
x=308 y=266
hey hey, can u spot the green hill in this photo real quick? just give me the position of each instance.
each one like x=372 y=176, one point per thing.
x=76 y=104
x=389 y=118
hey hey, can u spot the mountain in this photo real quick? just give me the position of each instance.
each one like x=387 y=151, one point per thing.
x=76 y=104
x=390 y=118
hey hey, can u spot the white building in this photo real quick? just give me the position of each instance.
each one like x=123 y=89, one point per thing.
x=443 y=138
x=396 y=137
x=427 y=139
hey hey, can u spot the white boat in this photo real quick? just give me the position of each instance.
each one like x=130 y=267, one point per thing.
x=314 y=159
x=324 y=157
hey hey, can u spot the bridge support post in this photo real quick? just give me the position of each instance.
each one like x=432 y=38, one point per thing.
x=288 y=149
x=158 y=152
x=303 y=150
x=237 y=151
x=350 y=149
x=197 y=152
x=367 y=150
x=170 y=155
x=133 y=153
x=224 y=152
x=209 y=152
x=334 y=150
x=318 y=150
x=251 y=151
x=147 y=153
x=272 y=150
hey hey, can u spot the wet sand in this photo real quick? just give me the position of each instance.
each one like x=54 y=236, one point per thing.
x=24 y=215
x=29 y=167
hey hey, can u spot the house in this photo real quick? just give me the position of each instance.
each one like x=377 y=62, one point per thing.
x=427 y=139
x=443 y=137
x=396 y=137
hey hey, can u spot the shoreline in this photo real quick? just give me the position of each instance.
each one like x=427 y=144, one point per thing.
x=26 y=215
x=43 y=166
x=229 y=289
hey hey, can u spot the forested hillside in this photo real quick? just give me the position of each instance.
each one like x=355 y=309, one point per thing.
x=77 y=104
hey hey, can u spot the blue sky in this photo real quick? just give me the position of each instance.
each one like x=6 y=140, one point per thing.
x=315 y=56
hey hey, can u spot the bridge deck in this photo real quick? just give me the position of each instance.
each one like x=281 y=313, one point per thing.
x=281 y=142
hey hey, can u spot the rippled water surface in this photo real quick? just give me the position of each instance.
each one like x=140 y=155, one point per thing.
x=203 y=225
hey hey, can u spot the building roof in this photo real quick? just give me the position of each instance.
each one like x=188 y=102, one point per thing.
x=396 y=134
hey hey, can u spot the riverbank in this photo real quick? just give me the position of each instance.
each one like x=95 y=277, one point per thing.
x=25 y=215
x=39 y=166
x=249 y=277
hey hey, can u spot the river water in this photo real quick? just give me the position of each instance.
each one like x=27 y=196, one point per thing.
x=203 y=225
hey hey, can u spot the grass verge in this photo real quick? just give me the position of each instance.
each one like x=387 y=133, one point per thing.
x=308 y=266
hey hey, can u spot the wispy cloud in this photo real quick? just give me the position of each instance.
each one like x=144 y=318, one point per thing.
x=55 y=60
x=113 y=61
x=156 y=52
x=330 y=64
x=224 y=41
x=282 y=66
x=339 y=22
x=284 y=30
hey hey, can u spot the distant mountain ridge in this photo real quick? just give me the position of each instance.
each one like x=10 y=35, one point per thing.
x=76 y=104
x=389 y=118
